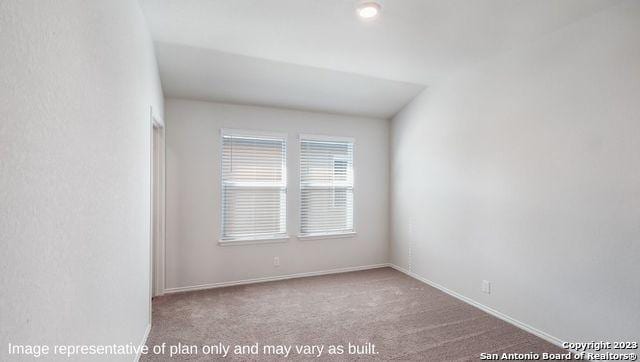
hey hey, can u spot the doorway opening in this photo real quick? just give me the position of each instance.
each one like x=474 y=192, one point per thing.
x=157 y=206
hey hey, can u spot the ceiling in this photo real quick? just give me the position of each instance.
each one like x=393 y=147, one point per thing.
x=211 y=75
x=317 y=55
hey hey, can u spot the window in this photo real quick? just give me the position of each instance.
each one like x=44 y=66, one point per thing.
x=326 y=186
x=254 y=186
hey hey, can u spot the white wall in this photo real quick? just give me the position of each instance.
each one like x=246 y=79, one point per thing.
x=193 y=256
x=77 y=79
x=525 y=171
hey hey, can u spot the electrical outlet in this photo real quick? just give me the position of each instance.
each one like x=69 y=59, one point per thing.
x=276 y=261
x=486 y=287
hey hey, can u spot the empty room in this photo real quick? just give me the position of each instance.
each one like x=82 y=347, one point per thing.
x=412 y=180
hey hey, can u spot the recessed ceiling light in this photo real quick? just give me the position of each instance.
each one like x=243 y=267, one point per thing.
x=369 y=10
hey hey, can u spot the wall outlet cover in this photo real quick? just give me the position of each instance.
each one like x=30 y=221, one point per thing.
x=486 y=287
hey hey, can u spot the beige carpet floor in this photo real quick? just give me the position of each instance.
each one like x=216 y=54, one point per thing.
x=404 y=318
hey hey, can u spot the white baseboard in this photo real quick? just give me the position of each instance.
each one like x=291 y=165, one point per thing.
x=546 y=336
x=274 y=278
x=144 y=341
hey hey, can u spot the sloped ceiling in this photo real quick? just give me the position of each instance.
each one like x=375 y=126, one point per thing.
x=317 y=55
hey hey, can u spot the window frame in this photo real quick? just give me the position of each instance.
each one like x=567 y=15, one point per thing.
x=328 y=235
x=260 y=239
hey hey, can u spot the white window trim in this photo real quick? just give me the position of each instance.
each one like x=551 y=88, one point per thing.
x=254 y=241
x=324 y=138
x=320 y=236
x=264 y=239
x=334 y=235
x=252 y=133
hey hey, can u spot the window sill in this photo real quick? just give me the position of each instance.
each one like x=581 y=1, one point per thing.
x=266 y=240
x=327 y=236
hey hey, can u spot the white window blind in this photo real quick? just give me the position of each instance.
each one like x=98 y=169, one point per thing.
x=326 y=186
x=254 y=186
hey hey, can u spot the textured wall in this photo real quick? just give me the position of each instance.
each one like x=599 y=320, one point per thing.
x=77 y=79
x=525 y=171
x=193 y=195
